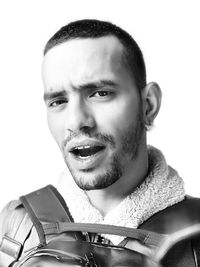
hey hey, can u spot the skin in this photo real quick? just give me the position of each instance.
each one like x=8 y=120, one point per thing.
x=92 y=97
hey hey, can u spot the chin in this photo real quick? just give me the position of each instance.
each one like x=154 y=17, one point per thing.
x=98 y=178
x=99 y=181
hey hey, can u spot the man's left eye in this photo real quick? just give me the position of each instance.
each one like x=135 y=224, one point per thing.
x=101 y=94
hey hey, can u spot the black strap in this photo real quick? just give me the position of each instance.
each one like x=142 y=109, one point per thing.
x=144 y=236
x=46 y=205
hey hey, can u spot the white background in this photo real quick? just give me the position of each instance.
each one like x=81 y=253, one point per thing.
x=169 y=35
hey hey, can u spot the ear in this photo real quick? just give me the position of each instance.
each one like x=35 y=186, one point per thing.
x=152 y=96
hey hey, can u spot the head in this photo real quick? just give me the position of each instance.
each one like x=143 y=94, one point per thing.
x=97 y=101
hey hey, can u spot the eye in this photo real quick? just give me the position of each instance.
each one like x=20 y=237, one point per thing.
x=102 y=94
x=57 y=102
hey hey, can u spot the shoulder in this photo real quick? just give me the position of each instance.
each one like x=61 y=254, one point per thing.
x=10 y=217
x=176 y=217
x=11 y=212
x=181 y=225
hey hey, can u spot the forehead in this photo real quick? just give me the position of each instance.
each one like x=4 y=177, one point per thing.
x=81 y=60
x=84 y=47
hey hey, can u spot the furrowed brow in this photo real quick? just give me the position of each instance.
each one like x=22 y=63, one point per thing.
x=98 y=85
x=51 y=95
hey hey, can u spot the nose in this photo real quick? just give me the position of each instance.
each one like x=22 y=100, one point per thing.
x=79 y=117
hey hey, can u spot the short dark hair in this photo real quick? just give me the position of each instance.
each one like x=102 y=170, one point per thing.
x=89 y=28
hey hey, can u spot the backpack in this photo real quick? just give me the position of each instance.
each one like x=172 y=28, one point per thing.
x=65 y=243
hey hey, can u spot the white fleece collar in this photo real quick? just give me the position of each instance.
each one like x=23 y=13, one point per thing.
x=162 y=188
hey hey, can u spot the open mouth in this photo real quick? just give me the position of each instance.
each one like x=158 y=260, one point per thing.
x=86 y=151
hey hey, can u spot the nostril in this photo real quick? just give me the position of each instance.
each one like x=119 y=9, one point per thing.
x=86 y=129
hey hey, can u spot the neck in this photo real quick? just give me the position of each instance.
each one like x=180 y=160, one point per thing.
x=107 y=199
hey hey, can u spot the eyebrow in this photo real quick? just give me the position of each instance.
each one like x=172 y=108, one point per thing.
x=52 y=95
x=96 y=85
x=87 y=86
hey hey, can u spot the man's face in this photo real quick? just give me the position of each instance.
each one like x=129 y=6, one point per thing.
x=94 y=110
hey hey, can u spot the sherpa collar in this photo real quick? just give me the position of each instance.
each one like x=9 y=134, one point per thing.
x=162 y=188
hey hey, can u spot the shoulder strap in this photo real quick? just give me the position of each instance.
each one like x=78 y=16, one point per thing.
x=144 y=236
x=46 y=205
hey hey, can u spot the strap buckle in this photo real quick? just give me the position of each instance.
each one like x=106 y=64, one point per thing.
x=11 y=247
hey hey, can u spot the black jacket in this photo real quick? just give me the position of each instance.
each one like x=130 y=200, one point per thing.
x=185 y=253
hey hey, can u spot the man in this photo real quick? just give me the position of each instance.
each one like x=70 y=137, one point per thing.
x=99 y=108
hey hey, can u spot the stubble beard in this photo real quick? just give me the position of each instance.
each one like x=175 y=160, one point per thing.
x=130 y=143
x=99 y=181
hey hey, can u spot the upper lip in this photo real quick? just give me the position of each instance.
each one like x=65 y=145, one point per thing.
x=75 y=144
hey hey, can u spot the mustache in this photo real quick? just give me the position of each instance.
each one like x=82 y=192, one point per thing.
x=104 y=138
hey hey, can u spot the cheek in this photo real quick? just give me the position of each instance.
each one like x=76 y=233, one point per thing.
x=55 y=127
x=118 y=116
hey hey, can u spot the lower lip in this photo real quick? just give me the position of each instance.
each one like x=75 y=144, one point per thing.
x=90 y=162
